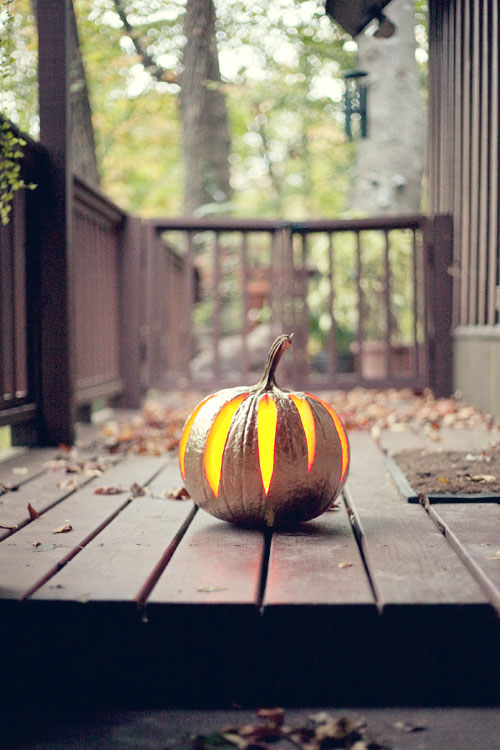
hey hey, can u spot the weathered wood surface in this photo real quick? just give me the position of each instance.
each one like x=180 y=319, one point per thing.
x=25 y=566
x=148 y=600
x=319 y=564
x=114 y=565
x=409 y=560
x=473 y=531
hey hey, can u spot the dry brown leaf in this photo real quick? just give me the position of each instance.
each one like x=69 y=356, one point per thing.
x=180 y=493
x=108 y=490
x=483 y=478
x=408 y=727
x=9 y=528
x=33 y=513
x=63 y=529
x=345 y=564
x=68 y=484
x=137 y=490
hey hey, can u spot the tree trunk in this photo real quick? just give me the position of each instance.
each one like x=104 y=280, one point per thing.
x=390 y=160
x=204 y=114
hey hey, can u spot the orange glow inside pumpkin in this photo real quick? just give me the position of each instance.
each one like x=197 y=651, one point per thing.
x=187 y=431
x=309 y=426
x=340 y=431
x=267 y=418
x=216 y=442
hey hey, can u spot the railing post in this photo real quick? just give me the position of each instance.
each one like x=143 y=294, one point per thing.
x=56 y=383
x=131 y=304
x=439 y=292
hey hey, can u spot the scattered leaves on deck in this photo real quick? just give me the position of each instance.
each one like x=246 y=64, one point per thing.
x=319 y=732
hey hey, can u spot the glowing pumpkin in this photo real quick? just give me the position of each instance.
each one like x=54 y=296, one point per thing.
x=264 y=455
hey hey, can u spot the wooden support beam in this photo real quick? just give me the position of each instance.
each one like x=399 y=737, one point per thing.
x=56 y=386
x=439 y=246
x=132 y=313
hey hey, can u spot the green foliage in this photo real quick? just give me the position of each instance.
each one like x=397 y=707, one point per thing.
x=11 y=145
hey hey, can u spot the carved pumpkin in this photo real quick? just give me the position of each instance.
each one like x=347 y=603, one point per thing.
x=263 y=455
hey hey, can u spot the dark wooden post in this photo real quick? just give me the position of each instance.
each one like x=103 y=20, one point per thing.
x=439 y=289
x=56 y=385
x=132 y=298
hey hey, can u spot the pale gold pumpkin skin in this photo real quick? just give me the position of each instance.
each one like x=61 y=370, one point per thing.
x=294 y=494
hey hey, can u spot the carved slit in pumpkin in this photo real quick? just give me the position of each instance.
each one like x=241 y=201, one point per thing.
x=344 y=443
x=267 y=418
x=308 y=425
x=186 y=433
x=216 y=442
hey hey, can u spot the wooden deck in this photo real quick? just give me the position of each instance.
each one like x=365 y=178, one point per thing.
x=147 y=601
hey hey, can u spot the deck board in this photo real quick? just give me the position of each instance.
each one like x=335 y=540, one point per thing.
x=24 y=565
x=473 y=531
x=319 y=563
x=146 y=600
x=409 y=560
x=115 y=565
x=216 y=563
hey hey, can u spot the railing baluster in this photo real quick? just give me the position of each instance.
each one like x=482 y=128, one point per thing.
x=189 y=275
x=244 y=303
x=416 y=346
x=387 y=296
x=217 y=305
x=332 y=337
x=359 y=335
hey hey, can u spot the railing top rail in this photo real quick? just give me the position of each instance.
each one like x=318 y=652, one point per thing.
x=218 y=224
x=229 y=224
x=91 y=196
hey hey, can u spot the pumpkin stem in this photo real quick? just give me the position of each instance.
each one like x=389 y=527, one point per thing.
x=275 y=353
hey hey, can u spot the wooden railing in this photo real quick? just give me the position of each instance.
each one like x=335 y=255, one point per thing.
x=97 y=244
x=356 y=294
x=18 y=382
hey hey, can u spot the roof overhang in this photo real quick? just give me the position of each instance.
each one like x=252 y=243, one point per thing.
x=355 y=15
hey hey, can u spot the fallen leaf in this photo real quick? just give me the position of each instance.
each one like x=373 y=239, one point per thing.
x=68 y=484
x=63 y=529
x=9 y=528
x=408 y=727
x=483 y=478
x=444 y=480
x=4 y=488
x=210 y=589
x=496 y=556
x=108 y=490
x=180 y=493
x=137 y=490
x=36 y=544
x=345 y=564
x=272 y=716
x=33 y=513
x=20 y=470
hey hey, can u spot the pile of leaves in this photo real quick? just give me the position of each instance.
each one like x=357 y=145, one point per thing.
x=321 y=731
x=158 y=428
